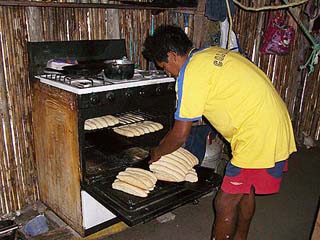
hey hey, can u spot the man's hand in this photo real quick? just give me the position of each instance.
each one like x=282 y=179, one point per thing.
x=172 y=141
x=155 y=156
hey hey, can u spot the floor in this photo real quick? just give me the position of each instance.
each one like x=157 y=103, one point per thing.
x=288 y=215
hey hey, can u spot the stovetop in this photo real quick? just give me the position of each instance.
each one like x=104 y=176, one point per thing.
x=99 y=83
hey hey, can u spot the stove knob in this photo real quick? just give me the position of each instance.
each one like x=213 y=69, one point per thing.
x=110 y=96
x=171 y=87
x=128 y=94
x=158 y=90
x=141 y=92
x=94 y=99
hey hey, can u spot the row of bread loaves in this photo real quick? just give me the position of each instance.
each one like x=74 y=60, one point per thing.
x=176 y=167
x=135 y=181
x=100 y=122
x=138 y=129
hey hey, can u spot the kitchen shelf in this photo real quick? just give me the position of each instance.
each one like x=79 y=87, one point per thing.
x=137 y=6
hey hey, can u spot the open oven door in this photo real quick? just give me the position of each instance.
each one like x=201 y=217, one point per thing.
x=165 y=197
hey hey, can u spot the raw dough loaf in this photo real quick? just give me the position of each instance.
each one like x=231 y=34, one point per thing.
x=173 y=158
x=92 y=123
x=192 y=176
x=170 y=166
x=111 y=120
x=100 y=123
x=156 y=125
x=146 y=172
x=162 y=169
x=133 y=180
x=127 y=188
x=139 y=176
x=176 y=166
x=89 y=126
x=190 y=155
x=165 y=177
x=135 y=132
x=182 y=165
x=123 y=132
x=177 y=154
x=144 y=129
x=148 y=126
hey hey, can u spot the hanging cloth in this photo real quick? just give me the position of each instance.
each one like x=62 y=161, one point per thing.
x=216 y=10
x=224 y=37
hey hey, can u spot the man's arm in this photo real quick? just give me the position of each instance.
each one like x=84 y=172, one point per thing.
x=173 y=140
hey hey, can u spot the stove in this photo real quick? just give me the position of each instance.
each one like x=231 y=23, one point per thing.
x=76 y=165
x=99 y=83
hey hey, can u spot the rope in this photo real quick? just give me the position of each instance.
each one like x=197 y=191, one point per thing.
x=313 y=58
x=230 y=25
x=270 y=7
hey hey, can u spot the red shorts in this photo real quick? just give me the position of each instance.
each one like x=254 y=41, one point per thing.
x=265 y=181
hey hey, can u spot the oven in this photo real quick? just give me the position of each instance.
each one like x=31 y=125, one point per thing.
x=102 y=153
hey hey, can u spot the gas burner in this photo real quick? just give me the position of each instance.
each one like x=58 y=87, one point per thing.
x=58 y=77
x=152 y=74
x=82 y=83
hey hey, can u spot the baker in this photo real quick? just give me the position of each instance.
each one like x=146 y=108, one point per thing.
x=239 y=100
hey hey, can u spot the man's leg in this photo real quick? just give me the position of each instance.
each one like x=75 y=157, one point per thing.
x=245 y=214
x=226 y=215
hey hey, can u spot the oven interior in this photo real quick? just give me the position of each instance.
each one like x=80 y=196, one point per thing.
x=105 y=154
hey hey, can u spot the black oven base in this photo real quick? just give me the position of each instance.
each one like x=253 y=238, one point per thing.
x=166 y=196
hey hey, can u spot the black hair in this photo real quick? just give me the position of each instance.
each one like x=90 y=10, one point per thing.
x=165 y=39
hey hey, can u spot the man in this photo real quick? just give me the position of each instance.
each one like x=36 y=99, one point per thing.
x=239 y=100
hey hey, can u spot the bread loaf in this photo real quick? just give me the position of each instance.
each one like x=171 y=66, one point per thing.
x=176 y=159
x=153 y=180
x=143 y=129
x=127 y=188
x=190 y=155
x=191 y=176
x=182 y=165
x=89 y=126
x=185 y=158
x=110 y=120
x=123 y=132
x=159 y=168
x=138 y=129
x=133 y=180
x=148 y=126
x=135 y=132
x=139 y=176
x=171 y=166
x=165 y=176
x=155 y=125
x=92 y=123
x=146 y=172
x=100 y=122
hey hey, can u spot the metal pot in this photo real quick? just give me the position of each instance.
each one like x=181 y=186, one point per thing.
x=118 y=68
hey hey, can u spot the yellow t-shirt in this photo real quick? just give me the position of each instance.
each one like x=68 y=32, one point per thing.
x=240 y=101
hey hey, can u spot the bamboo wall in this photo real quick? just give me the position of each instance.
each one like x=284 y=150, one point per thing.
x=19 y=24
x=18 y=180
x=300 y=91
